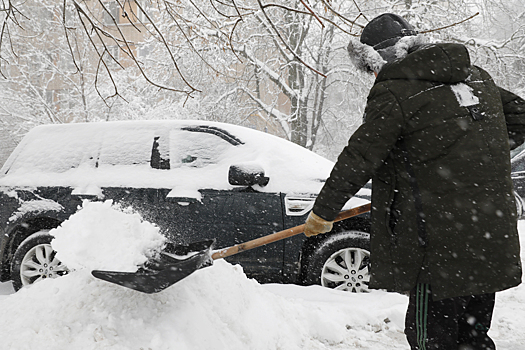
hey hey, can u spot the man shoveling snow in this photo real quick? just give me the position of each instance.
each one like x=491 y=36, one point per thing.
x=435 y=142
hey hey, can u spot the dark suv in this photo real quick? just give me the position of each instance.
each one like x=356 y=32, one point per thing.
x=196 y=180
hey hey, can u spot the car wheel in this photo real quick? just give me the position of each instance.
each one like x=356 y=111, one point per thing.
x=35 y=260
x=341 y=261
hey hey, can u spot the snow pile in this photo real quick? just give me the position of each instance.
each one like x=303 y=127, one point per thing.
x=217 y=307
x=106 y=237
x=509 y=313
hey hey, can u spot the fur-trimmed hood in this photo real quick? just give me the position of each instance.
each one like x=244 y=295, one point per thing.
x=367 y=59
x=446 y=63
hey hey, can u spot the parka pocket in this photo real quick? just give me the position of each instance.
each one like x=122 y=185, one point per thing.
x=391 y=212
x=393 y=218
x=416 y=193
x=383 y=198
x=395 y=214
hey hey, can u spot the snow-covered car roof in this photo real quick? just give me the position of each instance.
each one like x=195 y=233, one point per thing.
x=177 y=154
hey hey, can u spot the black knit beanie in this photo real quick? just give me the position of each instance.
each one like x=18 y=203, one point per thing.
x=384 y=39
x=386 y=30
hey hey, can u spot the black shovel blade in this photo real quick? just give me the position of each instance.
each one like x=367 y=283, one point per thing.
x=175 y=263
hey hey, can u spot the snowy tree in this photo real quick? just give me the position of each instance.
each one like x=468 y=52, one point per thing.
x=279 y=66
x=498 y=41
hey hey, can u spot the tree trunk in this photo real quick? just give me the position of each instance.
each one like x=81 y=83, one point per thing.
x=296 y=80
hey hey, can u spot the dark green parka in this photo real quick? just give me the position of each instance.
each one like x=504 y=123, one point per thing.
x=435 y=142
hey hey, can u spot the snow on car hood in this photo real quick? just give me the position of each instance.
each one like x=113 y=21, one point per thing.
x=90 y=156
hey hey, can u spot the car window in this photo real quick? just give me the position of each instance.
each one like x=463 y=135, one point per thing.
x=196 y=149
x=160 y=152
x=57 y=152
x=126 y=147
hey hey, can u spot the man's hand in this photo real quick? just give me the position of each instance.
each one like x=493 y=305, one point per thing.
x=315 y=225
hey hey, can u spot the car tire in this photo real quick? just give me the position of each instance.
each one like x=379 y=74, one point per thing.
x=340 y=261
x=35 y=260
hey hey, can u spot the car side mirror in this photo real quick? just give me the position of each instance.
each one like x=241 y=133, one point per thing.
x=248 y=174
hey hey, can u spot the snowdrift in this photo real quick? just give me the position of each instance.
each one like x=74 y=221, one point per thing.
x=217 y=307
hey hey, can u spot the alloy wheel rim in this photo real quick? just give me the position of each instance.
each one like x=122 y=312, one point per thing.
x=347 y=270
x=39 y=263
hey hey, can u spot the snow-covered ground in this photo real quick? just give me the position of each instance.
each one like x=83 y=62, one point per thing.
x=214 y=308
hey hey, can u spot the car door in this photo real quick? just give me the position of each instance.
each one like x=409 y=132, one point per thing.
x=203 y=205
x=230 y=217
x=125 y=171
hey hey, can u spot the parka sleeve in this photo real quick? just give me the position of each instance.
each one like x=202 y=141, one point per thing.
x=514 y=110
x=367 y=148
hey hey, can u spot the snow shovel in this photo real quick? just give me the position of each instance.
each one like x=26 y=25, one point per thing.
x=176 y=262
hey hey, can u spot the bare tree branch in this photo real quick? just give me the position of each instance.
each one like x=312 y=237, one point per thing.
x=11 y=13
x=173 y=14
x=450 y=25
x=352 y=23
x=324 y=18
x=286 y=44
x=66 y=33
x=312 y=12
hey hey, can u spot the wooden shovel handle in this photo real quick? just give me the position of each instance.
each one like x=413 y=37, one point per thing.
x=277 y=236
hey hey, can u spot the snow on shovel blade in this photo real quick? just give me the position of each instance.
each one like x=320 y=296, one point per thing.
x=175 y=262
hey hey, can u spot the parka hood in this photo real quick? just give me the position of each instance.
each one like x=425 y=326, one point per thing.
x=443 y=63
x=412 y=59
x=367 y=59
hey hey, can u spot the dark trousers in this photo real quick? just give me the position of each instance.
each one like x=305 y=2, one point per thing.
x=459 y=323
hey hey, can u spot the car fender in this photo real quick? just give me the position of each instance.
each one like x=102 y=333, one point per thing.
x=30 y=217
